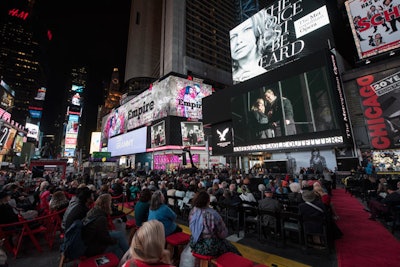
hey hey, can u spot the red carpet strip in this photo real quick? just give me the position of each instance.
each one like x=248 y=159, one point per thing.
x=365 y=242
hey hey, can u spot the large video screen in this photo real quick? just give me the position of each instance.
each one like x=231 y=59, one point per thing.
x=277 y=35
x=192 y=134
x=286 y=110
x=373 y=24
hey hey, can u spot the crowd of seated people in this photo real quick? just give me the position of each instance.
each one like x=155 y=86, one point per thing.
x=151 y=194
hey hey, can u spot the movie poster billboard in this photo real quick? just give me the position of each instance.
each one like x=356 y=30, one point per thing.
x=179 y=97
x=6 y=133
x=380 y=100
x=158 y=134
x=374 y=25
x=192 y=134
x=173 y=96
x=277 y=35
x=115 y=123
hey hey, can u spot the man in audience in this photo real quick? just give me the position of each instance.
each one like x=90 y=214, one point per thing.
x=381 y=207
x=270 y=204
x=78 y=207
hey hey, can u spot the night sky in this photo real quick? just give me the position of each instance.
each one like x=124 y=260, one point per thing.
x=89 y=33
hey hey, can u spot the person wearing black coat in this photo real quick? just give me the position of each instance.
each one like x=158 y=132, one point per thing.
x=96 y=234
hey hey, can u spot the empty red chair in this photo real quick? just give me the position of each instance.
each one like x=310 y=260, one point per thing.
x=204 y=259
x=231 y=259
x=176 y=243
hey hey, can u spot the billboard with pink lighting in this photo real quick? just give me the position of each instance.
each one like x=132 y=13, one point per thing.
x=173 y=96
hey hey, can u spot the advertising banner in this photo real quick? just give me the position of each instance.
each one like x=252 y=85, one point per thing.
x=192 y=134
x=374 y=25
x=33 y=130
x=5 y=135
x=173 y=96
x=380 y=99
x=158 y=134
x=222 y=142
x=129 y=143
x=95 y=142
x=277 y=35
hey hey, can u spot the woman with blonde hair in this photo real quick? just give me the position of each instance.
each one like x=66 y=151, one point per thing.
x=148 y=246
x=96 y=234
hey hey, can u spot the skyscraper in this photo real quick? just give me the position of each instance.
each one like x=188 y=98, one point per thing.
x=186 y=37
x=20 y=56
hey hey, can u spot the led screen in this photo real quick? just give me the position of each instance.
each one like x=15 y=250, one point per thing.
x=129 y=143
x=7 y=136
x=192 y=134
x=33 y=130
x=173 y=96
x=158 y=134
x=41 y=94
x=277 y=35
x=35 y=114
x=77 y=88
x=284 y=110
x=373 y=25
x=18 y=143
x=95 y=142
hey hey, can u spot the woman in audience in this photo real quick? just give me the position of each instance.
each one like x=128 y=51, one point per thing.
x=58 y=201
x=134 y=190
x=208 y=229
x=295 y=194
x=96 y=234
x=148 y=247
x=161 y=212
x=142 y=207
x=44 y=196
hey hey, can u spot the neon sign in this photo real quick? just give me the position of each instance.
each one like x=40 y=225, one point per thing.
x=18 y=13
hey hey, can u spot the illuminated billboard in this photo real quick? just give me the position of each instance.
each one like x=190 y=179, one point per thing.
x=380 y=100
x=297 y=111
x=173 y=96
x=41 y=94
x=158 y=134
x=192 y=134
x=374 y=26
x=95 y=142
x=129 y=143
x=6 y=139
x=277 y=35
x=35 y=114
x=33 y=130
x=18 y=143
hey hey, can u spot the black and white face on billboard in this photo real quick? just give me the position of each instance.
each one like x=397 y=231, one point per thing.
x=374 y=26
x=277 y=35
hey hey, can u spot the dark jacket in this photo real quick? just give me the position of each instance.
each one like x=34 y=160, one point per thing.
x=313 y=219
x=75 y=211
x=95 y=234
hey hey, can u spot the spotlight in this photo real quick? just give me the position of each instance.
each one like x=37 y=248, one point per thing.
x=392 y=53
x=367 y=61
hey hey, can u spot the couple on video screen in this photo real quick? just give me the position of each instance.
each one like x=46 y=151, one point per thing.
x=272 y=116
